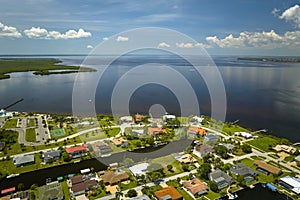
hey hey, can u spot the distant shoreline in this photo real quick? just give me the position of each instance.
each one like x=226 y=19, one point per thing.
x=269 y=59
x=39 y=66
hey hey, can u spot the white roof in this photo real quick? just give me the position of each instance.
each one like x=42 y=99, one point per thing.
x=83 y=171
x=139 y=131
x=139 y=169
x=293 y=182
x=244 y=134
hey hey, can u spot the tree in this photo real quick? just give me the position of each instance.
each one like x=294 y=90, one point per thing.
x=132 y=193
x=203 y=170
x=170 y=168
x=66 y=157
x=119 y=194
x=221 y=151
x=20 y=186
x=241 y=181
x=246 y=148
x=213 y=187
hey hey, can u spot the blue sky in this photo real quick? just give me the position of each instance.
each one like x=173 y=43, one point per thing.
x=222 y=27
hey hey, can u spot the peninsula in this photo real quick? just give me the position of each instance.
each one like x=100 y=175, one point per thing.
x=40 y=66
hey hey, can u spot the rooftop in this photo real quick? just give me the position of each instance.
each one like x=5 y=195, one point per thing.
x=139 y=169
x=77 y=148
x=195 y=186
x=168 y=191
x=267 y=167
x=112 y=178
x=155 y=131
x=19 y=160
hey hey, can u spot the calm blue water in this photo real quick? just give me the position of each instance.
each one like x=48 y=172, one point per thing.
x=259 y=94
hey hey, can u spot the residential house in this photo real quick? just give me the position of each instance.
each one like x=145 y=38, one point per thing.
x=285 y=148
x=139 y=169
x=155 y=131
x=101 y=147
x=291 y=183
x=139 y=118
x=113 y=178
x=126 y=119
x=77 y=151
x=24 y=160
x=211 y=139
x=196 y=120
x=267 y=168
x=168 y=117
x=202 y=150
x=240 y=169
x=187 y=158
x=228 y=146
x=51 y=192
x=221 y=178
x=123 y=142
x=243 y=134
x=195 y=186
x=51 y=156
x=79 y=185
x=297 y=159
x=193 y=131
x=168 y=193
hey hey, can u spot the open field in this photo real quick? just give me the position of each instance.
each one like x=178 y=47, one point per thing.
x=40 y=66
x=30 y=135
x=264 y=142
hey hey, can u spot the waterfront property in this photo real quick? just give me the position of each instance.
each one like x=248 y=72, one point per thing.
x=243 y=134
x=139 y=169
x=77 y=151
x=221 y=178
x=211 y=139
x=291 y=183
x=186 y=158
x=168 y=193
x=201 y=150
x=193 y=131
x=51 y=191
x=285 y=148
x=142 y=197
x=195 y=186
x=267 y=168
x=240 y=169
x=155 y=131
x=79 y=185
x=113 y=178
x=139 y=118
x=123 y=142
x=101 y=147
x=51 y=156
x=24 y=160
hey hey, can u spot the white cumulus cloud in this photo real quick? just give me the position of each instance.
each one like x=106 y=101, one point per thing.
x=9 y=31
x=41 y=33
x=122 y=39
x=105 y=38
x=163 y=44
x=89 y=46
x=257 y=39
x=292 y=14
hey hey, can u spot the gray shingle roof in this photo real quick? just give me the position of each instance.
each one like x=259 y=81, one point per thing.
x=242 y=170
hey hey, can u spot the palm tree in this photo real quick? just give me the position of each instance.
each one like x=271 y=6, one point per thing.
x=20 y=186
x=119 y=194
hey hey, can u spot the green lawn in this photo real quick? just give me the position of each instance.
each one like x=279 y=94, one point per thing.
x=92 y=136
x=263 y=142
x=30 y=135
x=231 y=129
x=31 y=122
x=65 y=188
x=11 y=123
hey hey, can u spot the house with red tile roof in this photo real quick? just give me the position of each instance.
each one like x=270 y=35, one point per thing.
x=77 y=151
x=195 y=186
x=169 y=193
x=155 y=131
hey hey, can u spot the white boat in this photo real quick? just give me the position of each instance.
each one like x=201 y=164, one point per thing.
x=12 y=175
x=232 y=196
x=106 y=155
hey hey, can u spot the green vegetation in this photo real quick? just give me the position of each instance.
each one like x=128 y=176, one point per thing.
x=40 y=66
x=176 y=185
x=65 y=188
x=31 y=122
x=231 y=129
x=11 y=123
x=30 y=135
x=265 y=143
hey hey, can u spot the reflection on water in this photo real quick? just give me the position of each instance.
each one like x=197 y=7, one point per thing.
x=259 y=94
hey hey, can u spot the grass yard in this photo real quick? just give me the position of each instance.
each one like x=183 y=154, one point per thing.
x=231 y=129
x=168 y=160
x=11 y=123
x=31 y=122
x=30 y=135
x=113 y=132
x=65 y=188
x=92 y=136
x=264 y=142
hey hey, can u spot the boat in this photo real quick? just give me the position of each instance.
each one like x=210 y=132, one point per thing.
x=106 y=155
x=232 y=196
x=12 y=175
x=251 y=186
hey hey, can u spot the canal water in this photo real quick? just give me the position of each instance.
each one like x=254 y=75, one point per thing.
x=39 y=176
x=259 y=193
